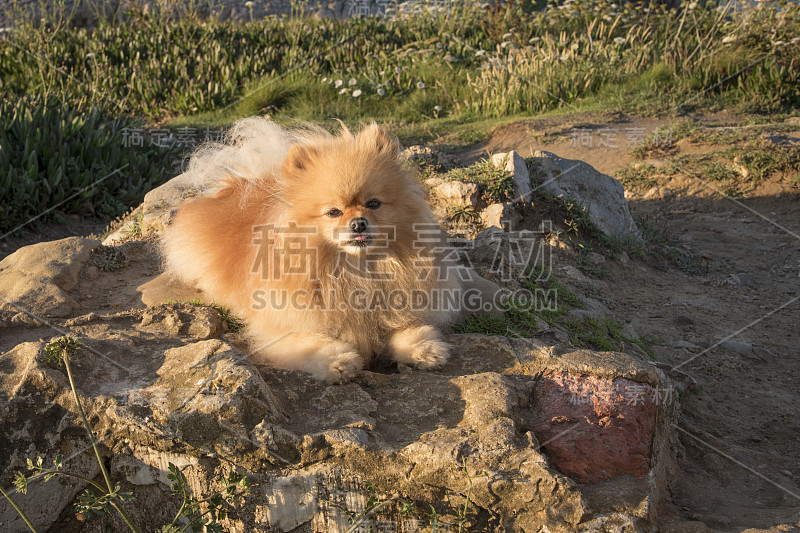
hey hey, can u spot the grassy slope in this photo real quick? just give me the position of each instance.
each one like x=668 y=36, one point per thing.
x=450 y=75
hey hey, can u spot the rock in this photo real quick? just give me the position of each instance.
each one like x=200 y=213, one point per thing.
x=501 y=216
x=603 y=195
x=457 y=193
x=166 y=287
x=160 y=203
x=742 y=348
x=155 y=397
x=595 y=428
x=507 y=254
x=786 y=289
x=429 y=158
x=747 y=349
x=685 y=345
x=612 y=523
x=36 y=279
x=481 y=295
x=715 y=464
x=595 y=259
x=743 y=279
x=656 y=193
x=515 y=163
x=583 y=314
x=122 y=234
x=572 y=273
x=596 y=306
x=184 y=319
x=629 y=332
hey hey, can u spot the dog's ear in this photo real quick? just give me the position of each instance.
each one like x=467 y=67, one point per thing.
x=298 y=158
x=378 y=138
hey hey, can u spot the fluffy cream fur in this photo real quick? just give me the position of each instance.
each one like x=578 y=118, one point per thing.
x=273 y=240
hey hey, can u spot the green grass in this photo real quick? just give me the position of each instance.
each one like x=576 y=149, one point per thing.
x=742 y=156
x=53 y=155
x=639 y=176
x=661 y=251
x=495 y=185
x=587 y=55
x=444 y=79
x=521 y=320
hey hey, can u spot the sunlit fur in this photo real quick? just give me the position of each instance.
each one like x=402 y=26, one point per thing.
x=286 y=177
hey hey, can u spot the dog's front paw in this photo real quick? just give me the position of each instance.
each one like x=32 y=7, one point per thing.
x=422 y=347
x=344 y=367
x=429 y=354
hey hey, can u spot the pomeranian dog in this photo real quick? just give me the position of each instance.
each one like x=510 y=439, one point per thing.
x=323 y=243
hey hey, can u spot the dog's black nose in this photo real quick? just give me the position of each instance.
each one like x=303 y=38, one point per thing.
x=358 y=225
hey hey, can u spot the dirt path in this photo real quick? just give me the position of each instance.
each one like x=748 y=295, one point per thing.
x=734 y=327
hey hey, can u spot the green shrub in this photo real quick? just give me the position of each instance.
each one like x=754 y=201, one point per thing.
x=476 y=61
x=52 y=157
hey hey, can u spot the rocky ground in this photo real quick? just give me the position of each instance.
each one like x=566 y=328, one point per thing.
x=732 y=324
x=170 y=383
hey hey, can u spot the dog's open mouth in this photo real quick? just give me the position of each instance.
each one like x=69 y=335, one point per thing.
x=360 y=240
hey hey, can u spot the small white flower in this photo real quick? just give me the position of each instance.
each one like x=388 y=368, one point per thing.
x=619 y=40
x=437 y=108
x=381 y=91
x=356 y=93
x=344 y=90
x=249 y=4
x=338 y=83
x=352 y=81
x=420 y=85
x=382 y=72
x=324 y=79
x=692 y=6
x=90 y=54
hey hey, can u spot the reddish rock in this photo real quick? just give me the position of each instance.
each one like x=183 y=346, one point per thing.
x=593 y=428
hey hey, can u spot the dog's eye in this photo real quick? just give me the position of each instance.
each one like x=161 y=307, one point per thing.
x=373 y=204
x=334 y=213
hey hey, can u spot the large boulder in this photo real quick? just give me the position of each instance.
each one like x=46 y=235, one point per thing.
x=315 y=452
x=603 y=195
x=515 y=164
x=37 y=279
